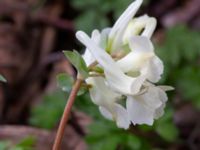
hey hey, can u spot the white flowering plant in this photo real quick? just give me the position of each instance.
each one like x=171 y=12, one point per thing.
x=121 y=70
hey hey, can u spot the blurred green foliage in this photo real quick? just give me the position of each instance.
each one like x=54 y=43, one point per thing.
x=25 y=144
x=108 y=137
x=180 y=53
x=48 y=113
x=97 y=14
x=164 y=126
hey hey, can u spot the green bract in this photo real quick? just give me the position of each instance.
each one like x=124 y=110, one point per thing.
x=76 y=59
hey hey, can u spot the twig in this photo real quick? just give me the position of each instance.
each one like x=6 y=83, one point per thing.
x=66 y=114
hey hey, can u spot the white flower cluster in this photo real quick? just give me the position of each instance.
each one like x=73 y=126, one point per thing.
x=125 y=90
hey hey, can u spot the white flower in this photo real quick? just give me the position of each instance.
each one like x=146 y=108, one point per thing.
x=144 y=108
x=87 y=56
x=127 y=26
x=107 y=100
x=115 y=77
x=136 y=25
x=142 y=59
x=115 y=36
x=127 y=77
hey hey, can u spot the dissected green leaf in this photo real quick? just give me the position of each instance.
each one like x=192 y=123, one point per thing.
x=76 y=59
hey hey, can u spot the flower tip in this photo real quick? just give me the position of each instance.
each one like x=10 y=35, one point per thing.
x=125 y=18
x=138 y=2
x=167 y=88
x=153 y=21
x=83 y=37
x=80 y=34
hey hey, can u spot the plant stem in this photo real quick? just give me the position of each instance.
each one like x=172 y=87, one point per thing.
x=66 y=113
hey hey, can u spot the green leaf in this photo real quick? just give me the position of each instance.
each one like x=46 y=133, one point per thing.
x=50 y=110
x=166 y=128
x=2 y=79
x=27 y=142
x=65 y=82
x=4 y=145
x=76 y=59
x=168 y=131
x=133 y=142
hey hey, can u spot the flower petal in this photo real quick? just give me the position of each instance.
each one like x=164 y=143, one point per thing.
x=159 y=111
x=119 y=114
x=142 y=51
x=136 y=25
x=151 y=98
x=105 y=98
x=141 y=44
x=124 y=84
x=166 y=88
x=153 y=69
x=105 y=113
x=141 y=108
x=104 y=37
x=114 y=76
x=100 y=93
x=87 y=56
x=138 y=113
x=122 y=118
x=131 y=62
x=163 y=97
x=149 y=28
x=122 y=22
